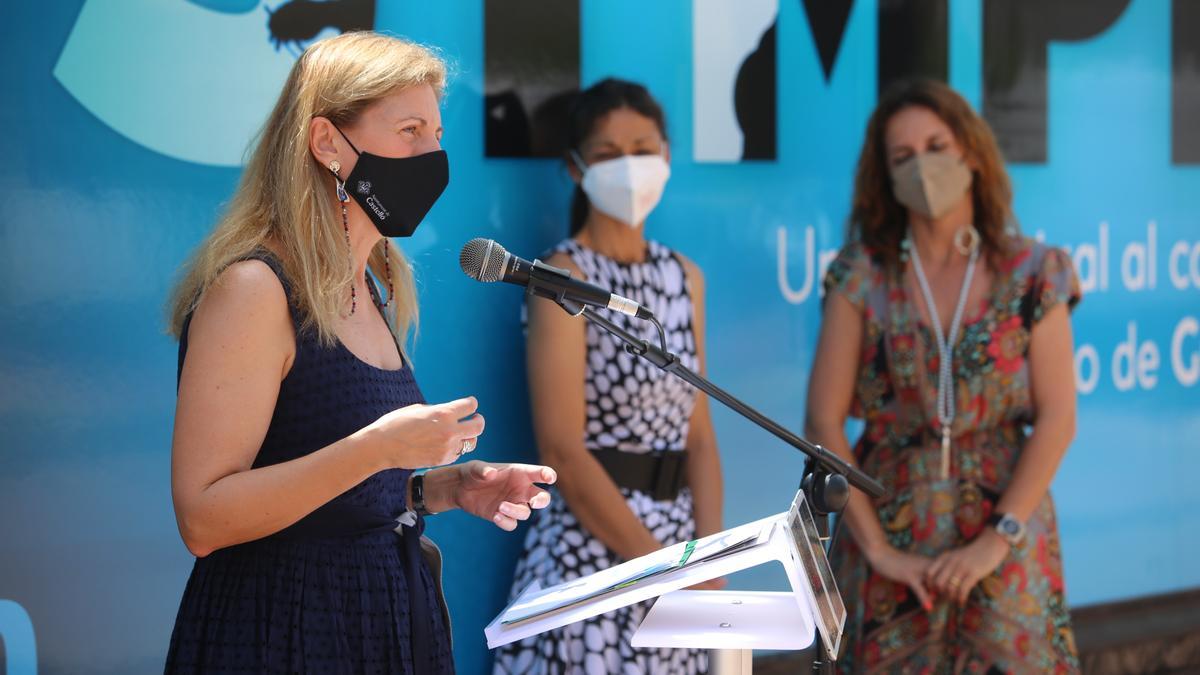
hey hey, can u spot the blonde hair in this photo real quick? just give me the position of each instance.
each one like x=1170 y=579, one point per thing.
x=286 y=196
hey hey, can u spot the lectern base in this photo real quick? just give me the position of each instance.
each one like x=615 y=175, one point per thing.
x=733 y=622
x=731 y=662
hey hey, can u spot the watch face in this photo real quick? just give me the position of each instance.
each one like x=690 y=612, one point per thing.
x=1011 y=529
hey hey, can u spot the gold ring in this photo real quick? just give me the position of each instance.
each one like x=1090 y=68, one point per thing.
x=955 y=582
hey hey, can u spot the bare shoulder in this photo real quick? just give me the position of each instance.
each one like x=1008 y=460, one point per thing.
x=545 y=314
x=692 y=271
x=246 y=304
x=565 y=261
x=246 y=285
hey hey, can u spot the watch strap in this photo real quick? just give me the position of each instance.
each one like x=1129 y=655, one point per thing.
x=1012 y=538
x=418 y=495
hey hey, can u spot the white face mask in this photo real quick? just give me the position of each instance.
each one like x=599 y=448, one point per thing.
x=626 y=188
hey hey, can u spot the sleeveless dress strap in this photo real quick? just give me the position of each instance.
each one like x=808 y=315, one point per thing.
x=260 y=254
x=266 y=256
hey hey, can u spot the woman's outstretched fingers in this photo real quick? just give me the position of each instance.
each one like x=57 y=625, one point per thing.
x=461 y=408
x=540 y=500
x=535 y=473
x=515 y=511
x=470 y=428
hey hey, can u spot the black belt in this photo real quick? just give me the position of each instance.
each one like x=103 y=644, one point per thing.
x=660 y=474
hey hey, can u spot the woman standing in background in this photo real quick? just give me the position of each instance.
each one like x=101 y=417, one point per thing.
x=948 y=333
x=633 y=446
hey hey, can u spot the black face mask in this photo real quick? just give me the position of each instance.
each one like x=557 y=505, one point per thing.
x=397 y=192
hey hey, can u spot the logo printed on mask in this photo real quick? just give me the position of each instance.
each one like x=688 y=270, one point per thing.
x=373 y=202
x=364 y=187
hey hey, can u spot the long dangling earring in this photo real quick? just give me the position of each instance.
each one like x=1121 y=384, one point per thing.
x=335 y=167
x=387 y=270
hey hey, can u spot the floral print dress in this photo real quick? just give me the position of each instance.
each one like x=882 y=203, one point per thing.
x=1016 y=619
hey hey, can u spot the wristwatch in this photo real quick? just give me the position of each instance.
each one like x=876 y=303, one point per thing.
x=1008 y=526
x=418 y=495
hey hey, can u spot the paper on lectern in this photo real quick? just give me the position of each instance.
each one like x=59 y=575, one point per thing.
x=713 y=556
x=790 y=538
x=632 y=573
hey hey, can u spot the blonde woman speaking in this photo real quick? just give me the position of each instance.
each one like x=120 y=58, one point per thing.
x=299 y=424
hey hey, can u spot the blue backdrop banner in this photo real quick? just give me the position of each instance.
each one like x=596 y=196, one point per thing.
x=125 y=123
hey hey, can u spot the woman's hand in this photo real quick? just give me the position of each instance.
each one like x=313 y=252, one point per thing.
x=501 y=493
x=420 y=436
x=956 y=572
x=905 y=568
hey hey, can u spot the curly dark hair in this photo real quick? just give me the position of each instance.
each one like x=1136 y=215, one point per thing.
x=879 y=221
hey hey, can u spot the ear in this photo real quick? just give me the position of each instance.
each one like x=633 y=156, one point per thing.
x=326 y=145
x=573 y=168
x=667 y=152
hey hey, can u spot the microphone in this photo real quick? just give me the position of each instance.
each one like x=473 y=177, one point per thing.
x=487 y=261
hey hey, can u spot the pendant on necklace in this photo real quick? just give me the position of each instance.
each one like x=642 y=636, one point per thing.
x=945 y=451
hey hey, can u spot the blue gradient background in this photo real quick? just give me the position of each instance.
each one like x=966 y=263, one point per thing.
x=93 y=228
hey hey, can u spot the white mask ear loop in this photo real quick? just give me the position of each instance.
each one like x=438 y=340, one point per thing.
x=579 y=162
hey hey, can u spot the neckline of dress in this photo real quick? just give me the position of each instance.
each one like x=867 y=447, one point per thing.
x=651 y=248
x=916 y=323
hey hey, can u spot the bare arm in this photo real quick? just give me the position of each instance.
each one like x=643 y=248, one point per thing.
x=1052 y=380
x=240 y=345
x=557 y=354
x=704 y=462
x=830 y=393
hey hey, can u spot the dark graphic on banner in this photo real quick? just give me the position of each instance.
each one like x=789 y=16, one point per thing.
x=531 y=51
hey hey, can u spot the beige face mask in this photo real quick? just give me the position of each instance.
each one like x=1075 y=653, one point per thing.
x=931 y=183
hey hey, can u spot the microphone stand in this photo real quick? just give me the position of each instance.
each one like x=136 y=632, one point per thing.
x=825 y=474
x=824 y=465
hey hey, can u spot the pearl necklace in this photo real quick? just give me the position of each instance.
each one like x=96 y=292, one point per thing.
x=945 y=345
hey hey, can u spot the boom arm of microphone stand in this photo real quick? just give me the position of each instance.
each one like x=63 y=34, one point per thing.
x=669 y=362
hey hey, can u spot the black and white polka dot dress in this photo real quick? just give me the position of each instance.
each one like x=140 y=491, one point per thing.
x=634 y=407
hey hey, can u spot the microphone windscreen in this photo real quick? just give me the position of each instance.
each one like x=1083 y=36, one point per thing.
x=482 y=259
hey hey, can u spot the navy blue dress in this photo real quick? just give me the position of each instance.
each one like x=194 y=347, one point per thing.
x=340 y=591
